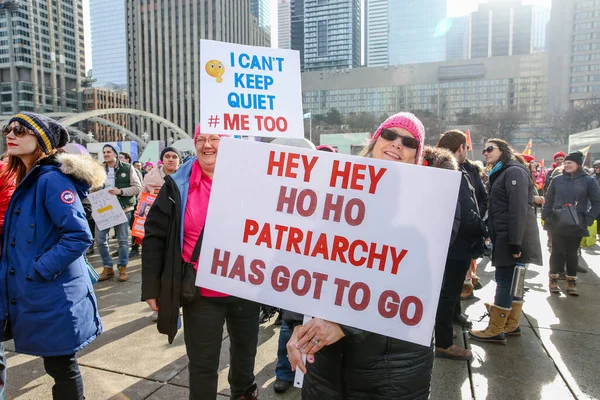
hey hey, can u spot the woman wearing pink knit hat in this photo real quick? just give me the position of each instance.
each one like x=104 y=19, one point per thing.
x=349 y=363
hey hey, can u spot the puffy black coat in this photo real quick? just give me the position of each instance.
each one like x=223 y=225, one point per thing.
x=511 y=216
x=364 y=365
x=566 y=189
x=481 y=193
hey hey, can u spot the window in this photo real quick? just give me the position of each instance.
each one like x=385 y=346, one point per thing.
x=322 y=38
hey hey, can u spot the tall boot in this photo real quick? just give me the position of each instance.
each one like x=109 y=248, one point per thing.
x=572 y=286
x=512 y=327
x=494 y=333
x=553 y=283
x=467 y=291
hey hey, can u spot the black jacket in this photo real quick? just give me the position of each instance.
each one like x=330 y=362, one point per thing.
x=364 y=365
x=481 y=193
x=161 y=257
x=512 y=219
x=579 y=188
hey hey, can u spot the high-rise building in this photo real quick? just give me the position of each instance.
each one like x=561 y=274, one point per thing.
x=42 y=55
x=284 y=24
x=377 y=29
x=414 y=34
x=457 y=38
x=109 y=41
x=100 y=99
x=503 y=28
x=573 y=53
x=163 y=55
x=261 y=9
x=332 y=35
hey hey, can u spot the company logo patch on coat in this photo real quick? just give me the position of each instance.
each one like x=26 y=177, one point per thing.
x=123 y=175
x=514 y=183
x=67 y=197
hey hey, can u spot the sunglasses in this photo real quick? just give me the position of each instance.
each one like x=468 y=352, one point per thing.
x=489 y=149
x=19 y=130
x=407 y=141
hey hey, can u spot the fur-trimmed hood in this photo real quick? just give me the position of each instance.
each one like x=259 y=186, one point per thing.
x=83 y=168
x=439 y=158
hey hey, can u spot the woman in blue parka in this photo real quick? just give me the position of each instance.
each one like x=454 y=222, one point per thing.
x=47 y=303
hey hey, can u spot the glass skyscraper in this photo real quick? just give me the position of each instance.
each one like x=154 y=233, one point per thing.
x=416 y=33
x=331 y=34
x=109 y=42
x=261 y=9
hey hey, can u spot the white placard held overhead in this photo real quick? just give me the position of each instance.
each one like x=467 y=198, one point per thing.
x=357 y=241
x=250 y=91
x=106 y=209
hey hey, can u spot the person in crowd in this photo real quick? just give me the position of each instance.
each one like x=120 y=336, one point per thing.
x=122 y=181
x=559 y=158
x=596 y=176
x=573 y=187
x=456 y=142
x=138 y=165
x=514 y=232
x=173 y=238
x=7 y=188
x=534 y=169
x=349 y=363
x=153 y=181
x=149 y=166
x=126 y=158
x=468 y=245
x=48 y=303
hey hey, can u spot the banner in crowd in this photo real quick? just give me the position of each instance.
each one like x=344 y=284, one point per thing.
x=357 y=241
x=250 y=91
x=106 y=210
x=144 y=203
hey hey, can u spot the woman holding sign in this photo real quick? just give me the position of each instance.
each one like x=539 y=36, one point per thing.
x=514 y=232
x=46 y=297
x=349 y=363
x=172 y=243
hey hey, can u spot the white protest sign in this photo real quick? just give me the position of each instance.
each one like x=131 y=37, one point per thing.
x=106 y=210
x=353 y=240
x=248 y=90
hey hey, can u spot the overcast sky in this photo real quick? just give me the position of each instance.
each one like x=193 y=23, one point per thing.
x=454 y=8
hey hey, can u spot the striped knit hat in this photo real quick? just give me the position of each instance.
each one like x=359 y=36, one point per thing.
x=50 y=134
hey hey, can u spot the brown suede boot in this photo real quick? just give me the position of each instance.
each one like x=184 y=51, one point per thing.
x=454 y=352
x=467 y=292
x=553 y=285
x=106 y=274
x=123 y=273
x=572 y=286
x=494 y=333
x=512 y=327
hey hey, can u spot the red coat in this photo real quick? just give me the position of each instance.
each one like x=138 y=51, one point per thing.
x=6 y=191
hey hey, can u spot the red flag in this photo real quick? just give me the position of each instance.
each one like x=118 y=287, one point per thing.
x=469 y=143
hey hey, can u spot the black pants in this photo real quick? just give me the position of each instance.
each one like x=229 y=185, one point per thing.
x=564 y=251
x=68 y=384
x=203 y=332
x=454 y=277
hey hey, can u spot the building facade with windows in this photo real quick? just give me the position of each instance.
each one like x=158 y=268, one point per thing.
x=163 y=58
x=42 y=55
x=332 y=34
x=574 y=53
x=261 y=10
x=284 y=24
x=447 y=88
x=377 y=31
x=109 y=42
x=100 y=99
x=457 y=38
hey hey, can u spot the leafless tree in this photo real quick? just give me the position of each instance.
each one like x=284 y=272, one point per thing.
x=497 y=123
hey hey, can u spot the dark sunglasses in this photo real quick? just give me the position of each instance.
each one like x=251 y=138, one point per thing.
x=489 y=149
x=18 y=130
x=407 y=141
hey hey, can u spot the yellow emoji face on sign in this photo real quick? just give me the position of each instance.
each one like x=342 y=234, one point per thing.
x=216 y=69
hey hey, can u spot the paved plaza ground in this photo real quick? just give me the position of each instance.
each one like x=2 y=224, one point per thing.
x=557 y=357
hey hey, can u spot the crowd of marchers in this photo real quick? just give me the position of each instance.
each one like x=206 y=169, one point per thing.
x=47 y=300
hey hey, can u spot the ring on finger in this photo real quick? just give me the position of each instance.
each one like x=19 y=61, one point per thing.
x=316 y=342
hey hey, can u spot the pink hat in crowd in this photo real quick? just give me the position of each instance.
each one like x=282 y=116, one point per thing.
x=326 y=147
x=410 y=123
x=150 y=164
x=197 y=132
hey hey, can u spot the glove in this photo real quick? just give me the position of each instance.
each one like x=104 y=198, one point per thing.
x=514 y=249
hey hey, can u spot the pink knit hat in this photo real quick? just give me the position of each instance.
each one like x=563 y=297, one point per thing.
x=326 y=147
x=197 y=132
x=409 y=122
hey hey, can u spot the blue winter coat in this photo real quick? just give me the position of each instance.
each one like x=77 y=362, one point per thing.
x=46 y=295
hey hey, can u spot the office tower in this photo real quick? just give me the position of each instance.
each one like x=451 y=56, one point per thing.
x=109 y=42
x=457 y=38
x=331 y=34
x=261 y=9
x=284 y=24
x=573 y=54
x=42 y=64
x=376 y=32
x=291 y=26
x=502 y=28
x=163 y=55
x=100 y=99
x=416 y=33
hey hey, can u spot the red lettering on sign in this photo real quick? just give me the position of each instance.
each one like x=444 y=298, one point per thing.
x=250 y=229
x=389 y=303
x=418 y=313
x=297 y=288
x=280 y=279
x=217 y=263
x=341 y=284
x=257 y=276
x=365 y=297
